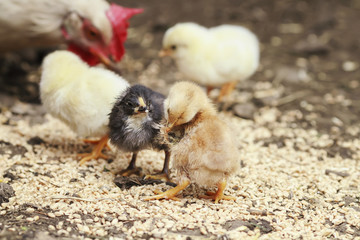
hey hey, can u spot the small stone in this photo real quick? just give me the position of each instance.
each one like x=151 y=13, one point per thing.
x=114 y=222
x=89 y=221
x=350 y=66
x=244 y=110
x=276 y=41
x=52 y=215
x=62 y=232
x=6 y=192
x=291 y=28
x=30 y=210
x=58 y=213
x=51 y=228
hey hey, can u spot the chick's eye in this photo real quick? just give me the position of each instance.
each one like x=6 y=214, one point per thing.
x=173 y=47
x=129 y=104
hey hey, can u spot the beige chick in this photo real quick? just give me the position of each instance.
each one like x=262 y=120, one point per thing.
x=213 y=57
x=80 y=96
x=205 y=152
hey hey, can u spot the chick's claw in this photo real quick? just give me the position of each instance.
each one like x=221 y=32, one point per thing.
x=160 y=176
x=219 y=194
x=171 y=193
x=96 y=152
x=130 y=171
x=217 y=197
x=93 y=155
x=96 y=142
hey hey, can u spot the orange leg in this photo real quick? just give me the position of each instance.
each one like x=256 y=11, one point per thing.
x=219 y=194
x=95 y=142
x=96 y=152
x=226 y=90
x=170 y=194
x=209 y=89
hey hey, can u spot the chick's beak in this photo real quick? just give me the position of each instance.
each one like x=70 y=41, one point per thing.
x=142 y=108
x=165 y=52
x=169 y=127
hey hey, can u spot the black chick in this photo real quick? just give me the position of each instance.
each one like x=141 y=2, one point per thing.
x=135 y=125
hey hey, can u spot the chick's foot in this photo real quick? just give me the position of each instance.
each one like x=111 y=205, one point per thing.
x=96 y=152
x=96 y=142
x=164 y=174
x=170 y=194
x=130 y=171
x=219 y=194
x=159 y=176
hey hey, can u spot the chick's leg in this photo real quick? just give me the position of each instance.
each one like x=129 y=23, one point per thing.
x=131 y=169
x=164 y=174
x=226 y=90
x=95 y=142
x=96 y=152
x=170 y=194
x=209 y=89
x=219 y=194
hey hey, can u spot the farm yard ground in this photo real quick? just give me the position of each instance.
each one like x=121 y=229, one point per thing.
x=296 y=122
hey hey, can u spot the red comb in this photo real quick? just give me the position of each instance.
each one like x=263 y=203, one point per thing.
x=118 y=17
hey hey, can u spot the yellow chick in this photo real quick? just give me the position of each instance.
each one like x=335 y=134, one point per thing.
x=213 y=57
x=80 y=96
x=204 y=151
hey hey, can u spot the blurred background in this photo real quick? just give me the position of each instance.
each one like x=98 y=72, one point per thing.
x=309 y=60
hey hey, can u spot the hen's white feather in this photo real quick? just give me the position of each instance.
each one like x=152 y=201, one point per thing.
x=37 y=23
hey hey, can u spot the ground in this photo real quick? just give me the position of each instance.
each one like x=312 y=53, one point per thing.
x=296 y=122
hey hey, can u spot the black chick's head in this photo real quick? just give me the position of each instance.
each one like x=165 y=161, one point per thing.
x=140 y=100
x=135 y=118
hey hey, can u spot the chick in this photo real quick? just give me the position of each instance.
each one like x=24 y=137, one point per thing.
x=135 y=124
x=205 y=153
x=214 y=57
x=80 y=96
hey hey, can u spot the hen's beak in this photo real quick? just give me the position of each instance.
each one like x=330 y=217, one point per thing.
x=109 y=63
x=165 y=52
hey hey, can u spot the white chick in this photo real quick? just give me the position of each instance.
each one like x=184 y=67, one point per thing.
x=205 y=152
x=80 y=96
x=214 y=57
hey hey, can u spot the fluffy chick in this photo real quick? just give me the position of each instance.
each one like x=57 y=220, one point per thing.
x=80 y=96
x=135 y=124
x=214 y=57
x=205 y=153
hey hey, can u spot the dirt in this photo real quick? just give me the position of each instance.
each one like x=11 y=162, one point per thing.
x=310 y=62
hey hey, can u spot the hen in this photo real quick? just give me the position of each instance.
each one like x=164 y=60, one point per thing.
x=93 y=29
